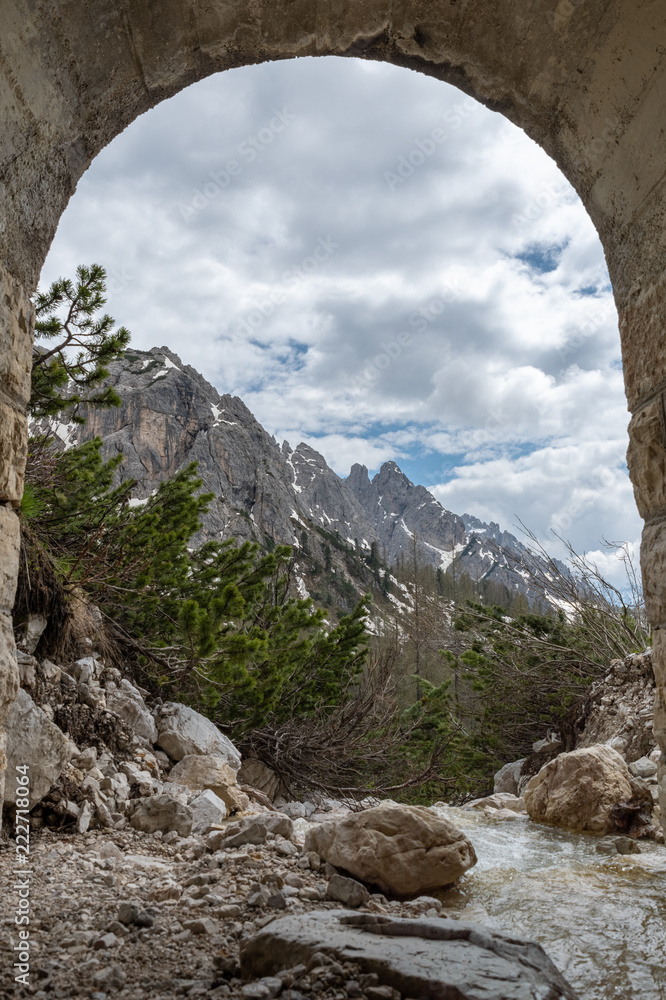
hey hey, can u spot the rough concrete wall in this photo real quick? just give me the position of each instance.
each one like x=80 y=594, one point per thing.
x=16 y=325
x=585 y=78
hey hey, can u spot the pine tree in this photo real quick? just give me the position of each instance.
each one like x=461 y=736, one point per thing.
x=72 y=371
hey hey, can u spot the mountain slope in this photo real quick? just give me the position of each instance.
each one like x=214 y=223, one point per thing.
x=171 y=416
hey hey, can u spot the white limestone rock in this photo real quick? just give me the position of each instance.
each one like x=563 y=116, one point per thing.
x=126 y=702
x=208 y=810
x=199 y=771
x=162 y=812
x=182 y=731
x=34 y=740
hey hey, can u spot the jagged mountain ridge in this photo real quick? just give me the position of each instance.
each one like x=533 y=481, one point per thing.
x=171 y=416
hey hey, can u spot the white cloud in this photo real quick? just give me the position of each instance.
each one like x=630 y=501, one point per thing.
x=464 y=320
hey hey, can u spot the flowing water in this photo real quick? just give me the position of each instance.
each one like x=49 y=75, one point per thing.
x=601 y=919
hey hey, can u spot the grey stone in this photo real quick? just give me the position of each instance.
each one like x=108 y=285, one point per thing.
x=643 y=768
x=33 y=740
x=204 y=925
x=250 y=830
x=112 y=977
x=128 y=912
x=347 y=891
x=507 y=778
x=161 y=812
x=108 y=940
x=435 y=958
x=182 y=731
x=127 y=703
x=208 y=810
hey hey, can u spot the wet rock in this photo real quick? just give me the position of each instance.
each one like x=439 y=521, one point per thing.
x=617 y=845
x=182 y=731
x=579 y=790
x=34 y=740
x=498 y=801
x=161 y=812
x=128 y=704
x=429 y=958
x=347 y=891
x=200 y=771
x=402 y=849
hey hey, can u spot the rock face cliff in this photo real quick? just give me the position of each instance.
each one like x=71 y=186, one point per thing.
x=171 y=416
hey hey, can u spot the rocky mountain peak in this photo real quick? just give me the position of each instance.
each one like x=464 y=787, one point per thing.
x=171 y=416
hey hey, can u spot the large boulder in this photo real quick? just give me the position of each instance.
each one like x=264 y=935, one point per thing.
x=182 y=731
x=199 y=771
x=439 y=958
x=162 y=812
x=589 y=790
x=34 y=740
x=402 y=849
x=126 y=702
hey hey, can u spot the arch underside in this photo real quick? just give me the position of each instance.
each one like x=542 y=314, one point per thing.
x=586 y=79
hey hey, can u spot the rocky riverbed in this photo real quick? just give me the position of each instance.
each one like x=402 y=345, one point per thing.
x=132 y=915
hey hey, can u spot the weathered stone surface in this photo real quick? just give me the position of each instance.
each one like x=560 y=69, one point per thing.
x=653 y=566
x=643 y=346
x=250 y=830
x=643 y=768
x=162 y=812
x=126 y=702
x=10 y=540
x=578 y=790
x=437 y=958
x=507 y=778
x=34 y=740
x=646 y=456
x=17 y=318
x=208 y=810
x=182 y=731
x=199 y=771
x=402 y=849
x=256 y=774
x=498 y=801
x=347 y=891
x=13 y=453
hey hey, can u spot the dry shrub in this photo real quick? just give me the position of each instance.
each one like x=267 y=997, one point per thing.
x=356 y=749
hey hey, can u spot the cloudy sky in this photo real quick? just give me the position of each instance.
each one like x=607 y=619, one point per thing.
x=378 y=266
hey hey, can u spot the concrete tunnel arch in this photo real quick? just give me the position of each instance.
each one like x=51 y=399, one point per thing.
x=586 y=79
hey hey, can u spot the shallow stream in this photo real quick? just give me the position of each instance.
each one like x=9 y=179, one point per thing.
x=601 y=919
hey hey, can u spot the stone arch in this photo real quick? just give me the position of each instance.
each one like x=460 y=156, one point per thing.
x=586 y=79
